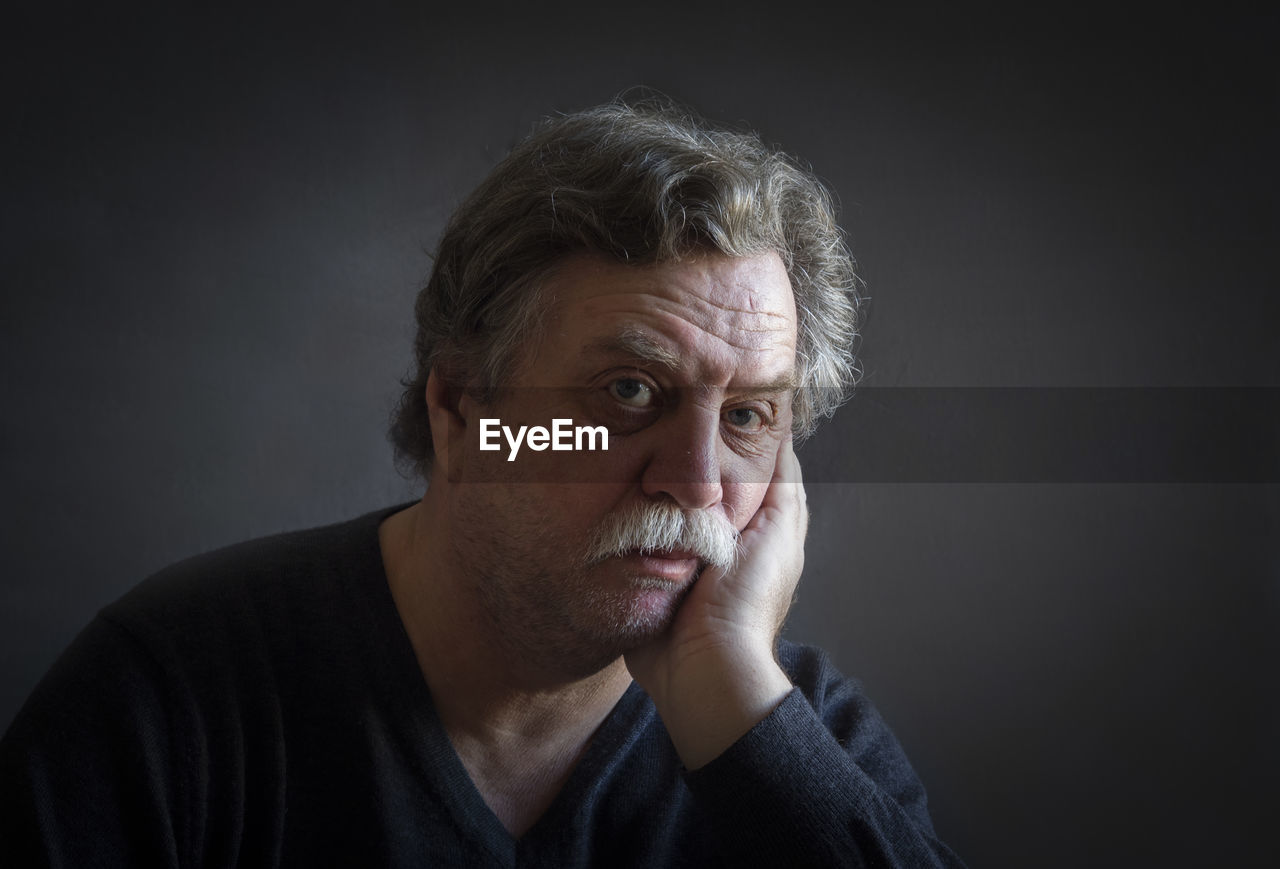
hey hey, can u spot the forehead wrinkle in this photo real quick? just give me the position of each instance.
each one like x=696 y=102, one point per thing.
x=640 y=344
x=702 y=324
x=726 y=323
x=716 y=362
x=751 y=312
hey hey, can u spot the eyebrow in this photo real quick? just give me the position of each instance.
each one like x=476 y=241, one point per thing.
x=636 y=344
x=785 y=383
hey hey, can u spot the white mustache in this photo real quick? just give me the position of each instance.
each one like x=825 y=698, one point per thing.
x=663 y=527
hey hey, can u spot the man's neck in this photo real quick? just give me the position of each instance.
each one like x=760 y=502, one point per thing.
x=518 y=729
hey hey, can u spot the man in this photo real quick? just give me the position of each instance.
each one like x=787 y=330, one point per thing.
x=565 y=654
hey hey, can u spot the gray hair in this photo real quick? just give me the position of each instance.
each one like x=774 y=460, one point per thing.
x=642 y=183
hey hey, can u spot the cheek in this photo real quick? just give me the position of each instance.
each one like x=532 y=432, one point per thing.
x=571 y=510
x=620 y=466
x=742 y=500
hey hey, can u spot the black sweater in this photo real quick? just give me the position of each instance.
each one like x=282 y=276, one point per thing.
x=262 y=706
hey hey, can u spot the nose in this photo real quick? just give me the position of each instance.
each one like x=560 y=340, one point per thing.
x=685 y=464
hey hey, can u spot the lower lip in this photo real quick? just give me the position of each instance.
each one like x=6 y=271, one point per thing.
x=676 y=569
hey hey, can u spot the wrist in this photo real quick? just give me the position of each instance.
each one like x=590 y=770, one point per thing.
x=716 y=697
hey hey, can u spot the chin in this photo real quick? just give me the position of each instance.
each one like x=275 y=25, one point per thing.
x=580 y=622
x=637 y=615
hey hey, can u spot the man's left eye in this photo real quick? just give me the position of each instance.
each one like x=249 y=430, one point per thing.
x=744 y=418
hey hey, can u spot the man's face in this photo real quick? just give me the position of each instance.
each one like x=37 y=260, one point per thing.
x=691 y=368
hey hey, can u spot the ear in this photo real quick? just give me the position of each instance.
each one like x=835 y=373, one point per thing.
x=446 y=413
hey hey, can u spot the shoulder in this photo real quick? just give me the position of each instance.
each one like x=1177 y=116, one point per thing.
x=176 y=702
x=264 y=602
x=278 y=567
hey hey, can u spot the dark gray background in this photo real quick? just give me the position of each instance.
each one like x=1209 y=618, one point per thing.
x=215 y=223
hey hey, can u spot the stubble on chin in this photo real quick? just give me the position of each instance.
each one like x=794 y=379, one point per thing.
x=578 y=624
x=626 y=620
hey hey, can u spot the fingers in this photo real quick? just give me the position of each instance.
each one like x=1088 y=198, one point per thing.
x=786 y=488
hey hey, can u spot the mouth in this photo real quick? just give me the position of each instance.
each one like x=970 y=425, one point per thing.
x=676 y=565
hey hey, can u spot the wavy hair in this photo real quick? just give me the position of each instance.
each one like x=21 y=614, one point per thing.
x=642 y=183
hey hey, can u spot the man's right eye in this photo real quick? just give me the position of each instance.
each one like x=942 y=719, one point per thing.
x=632 y=392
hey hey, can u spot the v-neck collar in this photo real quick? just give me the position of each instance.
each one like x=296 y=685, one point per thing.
x=414 y=717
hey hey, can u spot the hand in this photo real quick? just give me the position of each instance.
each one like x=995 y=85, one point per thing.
x=712 y=675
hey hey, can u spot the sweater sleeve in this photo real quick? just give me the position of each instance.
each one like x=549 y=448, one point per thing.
x=821 y=781
x=86 y=768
